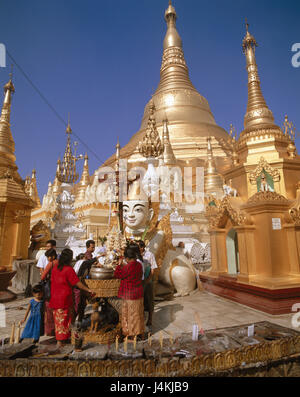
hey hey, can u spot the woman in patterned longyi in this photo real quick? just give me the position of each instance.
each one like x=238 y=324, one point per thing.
x=63 y=279
x=132 y=295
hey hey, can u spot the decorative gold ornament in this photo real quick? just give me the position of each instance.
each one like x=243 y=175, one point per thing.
x=262 y=166
x=218 y=217
x=151 y=146
x=66 y=171
x=267 y=196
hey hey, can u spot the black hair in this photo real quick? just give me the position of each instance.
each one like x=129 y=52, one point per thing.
x=37 y=288
x=80 y=256
x=137 y=251
x=52 y=242
x=89 y=242
x=65 y=258
x=141 y=244
x=51 y=253
x=130 y=253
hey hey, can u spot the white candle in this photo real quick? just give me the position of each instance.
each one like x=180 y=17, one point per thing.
x=18 y=333
x=161 y=339
x=12 y=335
x=134 y=343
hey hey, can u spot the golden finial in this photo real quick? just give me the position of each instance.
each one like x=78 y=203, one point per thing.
x=232 y=132
x=247 y=25
x=289 y=129
x=9 y=85
x=118 y=149
x=170 y=14
x=249 y=40
x=69 y=130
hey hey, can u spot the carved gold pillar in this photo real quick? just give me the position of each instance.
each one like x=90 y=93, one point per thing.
x=293 y=248
x=247 y=253
x=2 y=232
x=218 y=251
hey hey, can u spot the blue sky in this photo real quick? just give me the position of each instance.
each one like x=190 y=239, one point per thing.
x=100 y=61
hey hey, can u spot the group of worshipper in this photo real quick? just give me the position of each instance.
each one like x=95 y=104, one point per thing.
x=62 y=295
x=52 y=312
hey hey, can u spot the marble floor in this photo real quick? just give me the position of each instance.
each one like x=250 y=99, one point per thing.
x=174 y=316
x=177 y=316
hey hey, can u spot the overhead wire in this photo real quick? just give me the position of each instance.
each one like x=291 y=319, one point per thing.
x=42 y=96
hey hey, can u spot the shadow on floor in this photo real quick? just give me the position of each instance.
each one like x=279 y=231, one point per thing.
x=164 y=316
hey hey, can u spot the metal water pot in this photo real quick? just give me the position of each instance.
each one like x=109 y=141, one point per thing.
x=101 y=273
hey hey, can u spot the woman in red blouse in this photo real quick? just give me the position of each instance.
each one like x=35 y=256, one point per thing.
x=63 y=279
x=132 y=295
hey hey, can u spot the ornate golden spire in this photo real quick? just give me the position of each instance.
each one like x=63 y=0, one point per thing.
x=258 y=114
x=67 y=170
x=57 y=183
x=174 y=71
x=7 y=145
x=33 y=192
x=169 y=158
x=85 y=179
x=213 y=182
x=151 y=146
x=117 y=153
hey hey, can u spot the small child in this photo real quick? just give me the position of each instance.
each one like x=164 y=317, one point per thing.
x=34 y=324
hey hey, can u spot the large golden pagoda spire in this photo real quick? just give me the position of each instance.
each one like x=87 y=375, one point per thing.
x=258 y=114
x=190 y=119
x=7 y=145
x=174 y=71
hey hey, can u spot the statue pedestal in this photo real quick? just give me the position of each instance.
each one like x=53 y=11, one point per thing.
x=26 y=273
x=5 y=295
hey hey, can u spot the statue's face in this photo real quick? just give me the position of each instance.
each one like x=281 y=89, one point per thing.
x=136 y=214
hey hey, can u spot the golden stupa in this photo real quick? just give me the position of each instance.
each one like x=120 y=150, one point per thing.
x=15 y=202
x=190 y=119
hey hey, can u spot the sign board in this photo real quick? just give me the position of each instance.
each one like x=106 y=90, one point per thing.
x=276 y=223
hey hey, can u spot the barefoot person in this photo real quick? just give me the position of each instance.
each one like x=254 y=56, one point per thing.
x=131 y=292
x=63 y=278
x=34 y=326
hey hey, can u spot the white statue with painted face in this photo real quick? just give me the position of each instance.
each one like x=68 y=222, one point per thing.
x=137 y=215
x=176 y=270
